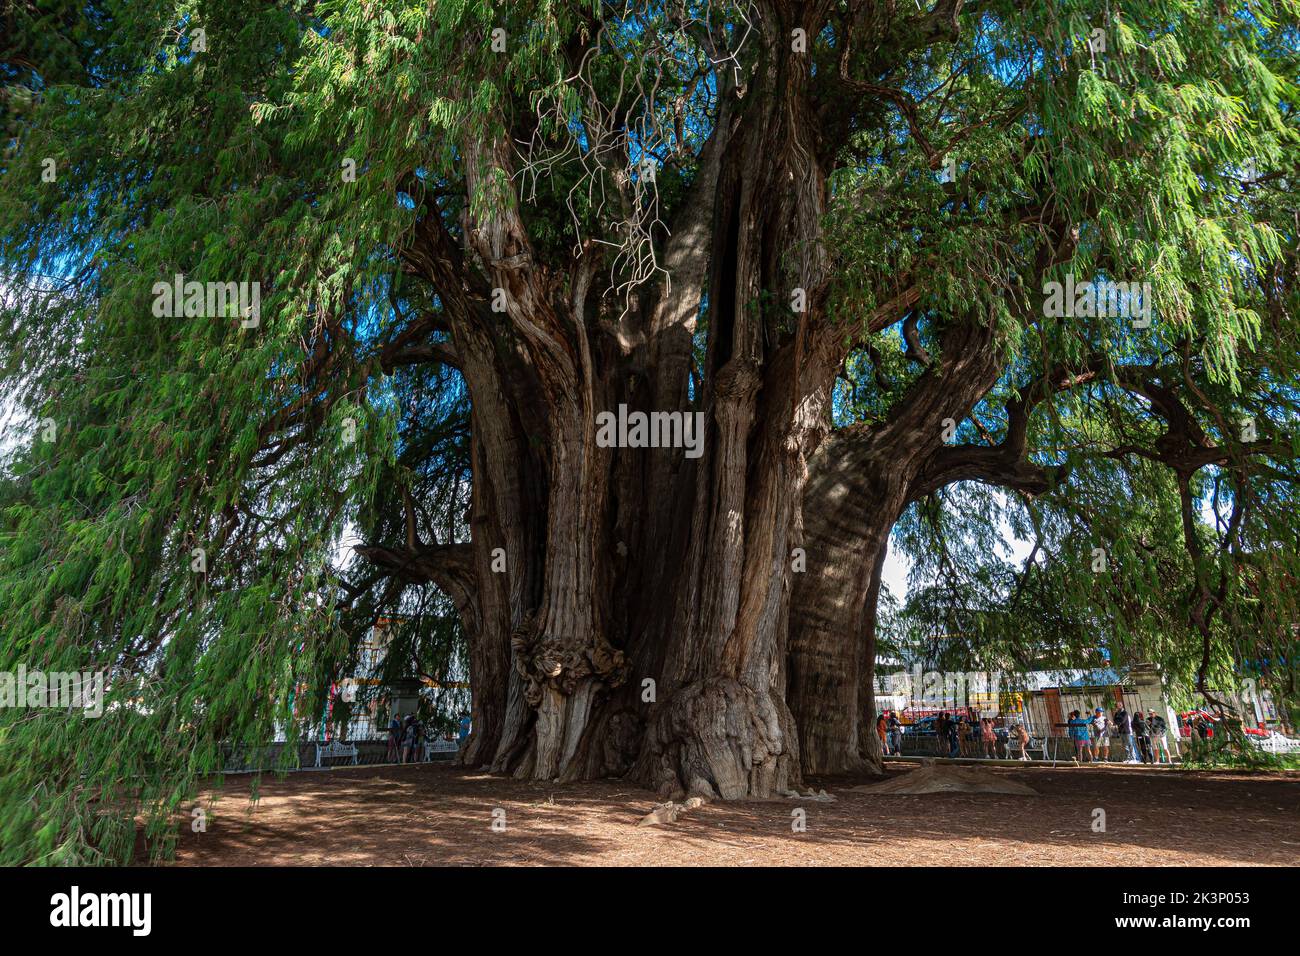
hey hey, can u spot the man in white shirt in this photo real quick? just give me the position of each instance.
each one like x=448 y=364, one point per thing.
x=1100 y=735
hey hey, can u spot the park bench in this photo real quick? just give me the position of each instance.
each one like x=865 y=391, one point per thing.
x=1035 y=745
x=335 y=748
x=434 y=747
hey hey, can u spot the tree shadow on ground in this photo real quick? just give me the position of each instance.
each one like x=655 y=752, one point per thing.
x=442 y=815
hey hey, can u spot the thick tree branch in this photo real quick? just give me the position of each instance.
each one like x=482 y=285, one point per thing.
x=448 y=566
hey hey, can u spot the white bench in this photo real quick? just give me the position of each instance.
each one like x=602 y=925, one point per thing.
x=1038 y=744
x=439 y=746
x=335 y=748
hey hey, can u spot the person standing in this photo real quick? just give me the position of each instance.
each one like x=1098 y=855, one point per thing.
x=410 y=739
x=1022 y=736
x=1078 y=726
x=1100 y=735
x=1143 y=734
x=1202 y=728
x=394 y=753
x=882 y=733
x=954 y=738
x=989 y=737
x=1159 y=737
x=1124 y=727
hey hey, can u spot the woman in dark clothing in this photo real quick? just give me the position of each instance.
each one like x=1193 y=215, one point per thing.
x=411 y=739
x=394 y=740
x=1143 y=734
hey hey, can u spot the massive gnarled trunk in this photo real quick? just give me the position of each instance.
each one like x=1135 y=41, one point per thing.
x=602 y=569
x=724 y=726
x=631 y=608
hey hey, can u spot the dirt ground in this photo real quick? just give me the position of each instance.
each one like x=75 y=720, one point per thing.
x=436 y=814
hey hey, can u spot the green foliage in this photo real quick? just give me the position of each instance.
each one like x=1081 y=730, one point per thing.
x=1165 y=158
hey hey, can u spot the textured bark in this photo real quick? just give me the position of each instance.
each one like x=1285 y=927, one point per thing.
x=642 y=621
x=725 y=727
x=870 y=750
x=863 y=478
x=832 y=656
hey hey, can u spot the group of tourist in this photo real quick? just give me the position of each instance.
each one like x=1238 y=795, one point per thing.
x=890 y=731
x=1144 y=738
x=964 y=738
x=405 y=740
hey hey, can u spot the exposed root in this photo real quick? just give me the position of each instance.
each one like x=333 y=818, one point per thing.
x=669 y=812
x=721 y=738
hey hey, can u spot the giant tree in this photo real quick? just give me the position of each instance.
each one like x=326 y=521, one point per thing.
x=478 y=231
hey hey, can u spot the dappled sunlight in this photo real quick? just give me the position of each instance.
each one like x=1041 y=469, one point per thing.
x=441 y=816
